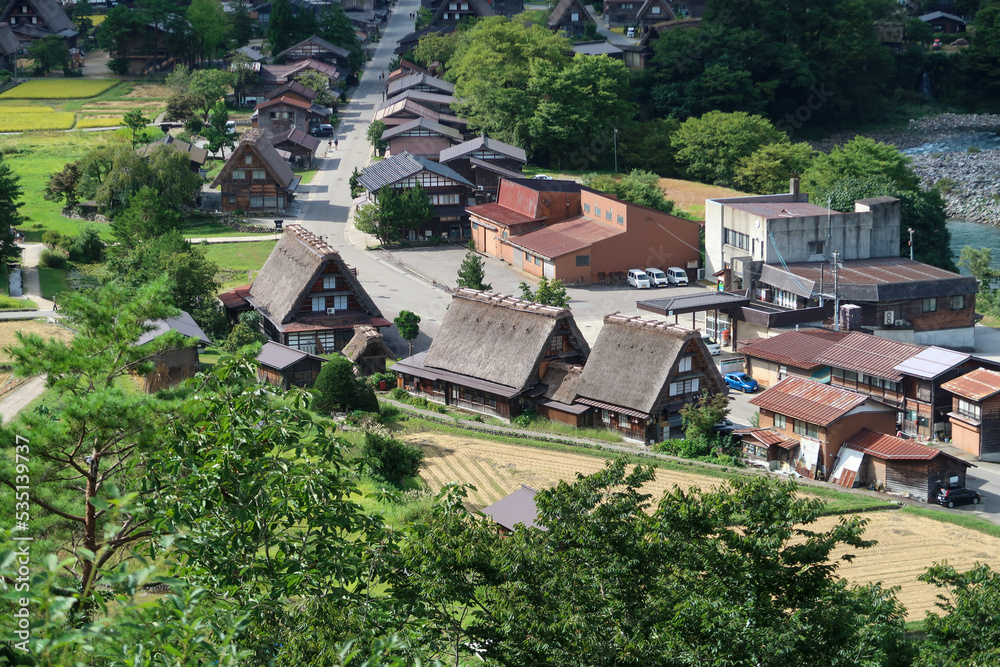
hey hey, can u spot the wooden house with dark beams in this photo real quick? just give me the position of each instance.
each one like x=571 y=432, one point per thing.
x=368 y=351
x=419 y=82
x=571 y=17
x=315 y=48
x=895 y=465
x=285 y=367
x=462 y=367
x=485 y=161
x=173 y=365
x=308 y=298
x=301 y=147
x=255 y=178
x=401 y=110
x=422 y=137
x=36 y=19
x=640 y=374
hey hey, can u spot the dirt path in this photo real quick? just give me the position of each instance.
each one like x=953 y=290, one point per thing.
x=18 y=398
x=32 y=285
x=907 y=544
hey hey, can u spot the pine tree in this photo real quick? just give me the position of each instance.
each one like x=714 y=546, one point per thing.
x=473 y=271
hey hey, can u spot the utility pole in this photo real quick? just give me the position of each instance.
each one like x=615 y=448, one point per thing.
x=836 y=291
x=910 y=229
x=616 y=155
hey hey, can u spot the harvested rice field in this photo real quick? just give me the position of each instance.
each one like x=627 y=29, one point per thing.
x=907 y=544
x=9 y=329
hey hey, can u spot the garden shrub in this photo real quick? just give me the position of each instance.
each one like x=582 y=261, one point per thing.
x=52 y=259
x=389 y=459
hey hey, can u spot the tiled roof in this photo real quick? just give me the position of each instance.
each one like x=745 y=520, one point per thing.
x=293 y=87
x=338 y=51
x=871 y=355
x=403 y=165
x=423 y=124
x=501 y=214
x=489 y=165
x=414 y=80
x=419 y=96
x=976 y=385
x=236 y=298
x=297 y=137
x=280 y=356
x=564 y=237
x=809 y=401
x=284 y=100
x=793 y=348
x=884 y=446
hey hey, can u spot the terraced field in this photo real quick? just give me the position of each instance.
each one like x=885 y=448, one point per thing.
x=907 y=544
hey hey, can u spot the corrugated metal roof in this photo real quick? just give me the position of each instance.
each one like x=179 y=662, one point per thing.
x=485 y=143
x=871 y=355
x=403 y=165
x=809 y=401
x=884 y=446
x=422 y=124
x=517 y=508
x=564 y=237
x=932 y=362
x=794 y=348
x=501 y=214
x=280 y=356
x=768 y=436
x=976 y=385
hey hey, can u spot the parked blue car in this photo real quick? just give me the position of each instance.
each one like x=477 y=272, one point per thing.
x=741 y=381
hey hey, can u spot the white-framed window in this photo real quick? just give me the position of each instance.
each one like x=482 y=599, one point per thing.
x=684 y=365
x=239 y=174
x=538 y=261
x=969 y=409
x=684 y=387
x=930 y=304
x=597 y=211
x=318 y=304
x=605 y=416
x=248 y=159
x=340 y=302
x=623 y=421
x=329 y=282
x=958 y=302
x=807 y=429
x=259 y=175
x=782 y=372
x=256 y=202
x=445 y=200
x=780 y=422
x=575 y=16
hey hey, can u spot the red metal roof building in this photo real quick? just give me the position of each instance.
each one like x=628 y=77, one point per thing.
x=975 y=413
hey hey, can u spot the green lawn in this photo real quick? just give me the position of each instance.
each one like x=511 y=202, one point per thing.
x=241 y=256
x=53 y=282
x=213 y=229
x=306 y=176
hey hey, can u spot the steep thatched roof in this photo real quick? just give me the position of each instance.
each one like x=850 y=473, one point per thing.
x=367 y=341
x=634 y=358
x=292 y=268
x=561 y=381
x=277 y=169
x=497 y=338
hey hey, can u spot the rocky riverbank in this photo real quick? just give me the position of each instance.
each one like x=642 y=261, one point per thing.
x=940 y=147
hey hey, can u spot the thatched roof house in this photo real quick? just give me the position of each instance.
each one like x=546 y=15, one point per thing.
x=490 y=350
x=309 y=298
x=641 y=372
x=368 y=350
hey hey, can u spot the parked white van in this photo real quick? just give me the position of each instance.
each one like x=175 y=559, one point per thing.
x=657 y=278
x=677 y=276
x=638 y=279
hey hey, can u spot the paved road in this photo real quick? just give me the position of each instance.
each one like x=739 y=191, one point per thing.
x=18 y=398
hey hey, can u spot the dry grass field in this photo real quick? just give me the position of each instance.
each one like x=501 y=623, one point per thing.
x=906 y=546
x=9 y=329
x=691 y=196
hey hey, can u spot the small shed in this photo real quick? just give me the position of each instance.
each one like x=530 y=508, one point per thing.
x=897 y=466
x=944 y=22
x=367 y=349
x=516 y=508
x=173 y=365
x=286 y=367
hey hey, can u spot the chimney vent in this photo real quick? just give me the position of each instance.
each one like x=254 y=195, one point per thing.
x=793 y=185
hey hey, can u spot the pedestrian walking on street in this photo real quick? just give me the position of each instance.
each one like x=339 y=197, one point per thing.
x=336 y=144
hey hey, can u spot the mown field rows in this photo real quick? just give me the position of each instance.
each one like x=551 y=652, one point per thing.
x=907 y=544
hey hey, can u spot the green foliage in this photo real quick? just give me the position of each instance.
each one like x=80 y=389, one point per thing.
x=62 y=185
x=210 y=86
x=49 y=53
x=408 y=325
x=424 y=17
x=548 y=293
x=280 y=26
x=918 y=31
x=182 y=106
x=135 y=122
x=112 y=174
x=399 y=394
x=355 y=183
x=979 y=262
x=436 y=48
x=336 y=27
x=768 y=169
x=389 y=459
x=242 y=335
x=241 y=26
x=637 y=187
x=647 y=146
x=87 y=247
x=209 y=25
x=709 y=148
x=394 y=212
x=53 y=240
x=52 y=259
x=374 y=134
x=10 y=212
x=338 y=388
x=146 y=217
x=218 y=133
x=968 y=631
x=472 y=272
x=861 y=158
x=701 y=416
